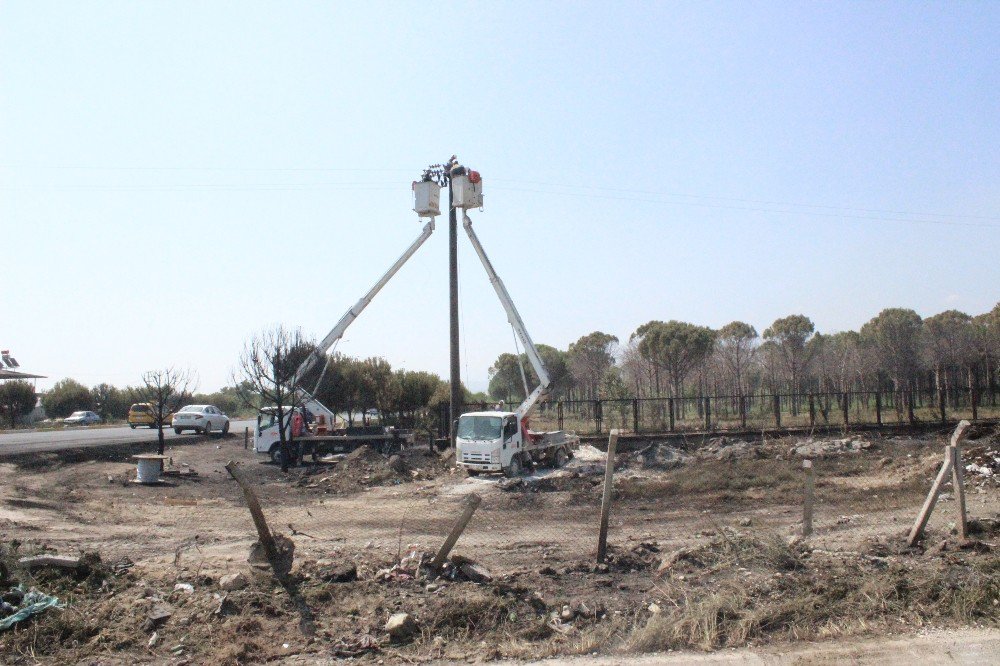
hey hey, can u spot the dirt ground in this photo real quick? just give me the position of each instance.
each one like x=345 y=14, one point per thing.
x=704 y=553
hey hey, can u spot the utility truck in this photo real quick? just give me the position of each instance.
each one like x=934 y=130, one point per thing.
x=322 y=436
x=500 y=441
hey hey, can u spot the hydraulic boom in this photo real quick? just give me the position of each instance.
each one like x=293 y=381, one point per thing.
x=515 y=320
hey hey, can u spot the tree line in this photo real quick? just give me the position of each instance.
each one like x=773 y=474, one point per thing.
x=897 y=350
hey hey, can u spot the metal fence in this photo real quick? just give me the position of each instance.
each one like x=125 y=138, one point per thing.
x=755 y=411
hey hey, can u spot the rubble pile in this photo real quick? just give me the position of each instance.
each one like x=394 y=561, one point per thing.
x=819 y=448
x=366 y=468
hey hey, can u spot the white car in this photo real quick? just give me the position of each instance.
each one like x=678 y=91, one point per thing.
x=206 y=419
x=82 y=418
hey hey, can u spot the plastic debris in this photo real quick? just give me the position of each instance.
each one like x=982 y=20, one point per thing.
x=32 y=603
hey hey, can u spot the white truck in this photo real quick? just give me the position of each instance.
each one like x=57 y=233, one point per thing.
x=500 y=441
x=322 y=436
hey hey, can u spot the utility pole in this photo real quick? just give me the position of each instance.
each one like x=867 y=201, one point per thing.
x=456 y=379
x=441 y=175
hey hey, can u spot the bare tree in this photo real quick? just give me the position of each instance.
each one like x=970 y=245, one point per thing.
x=265 y=370
x=163 y=390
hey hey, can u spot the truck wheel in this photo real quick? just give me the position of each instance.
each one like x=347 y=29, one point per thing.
x=472 y=472
x=276 y=454
x=514 y=470
x=560 y=458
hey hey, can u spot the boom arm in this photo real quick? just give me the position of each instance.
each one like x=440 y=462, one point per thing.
x=515 y=320
x=352 y=313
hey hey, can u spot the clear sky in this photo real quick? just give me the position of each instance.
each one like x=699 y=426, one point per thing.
x=175 y=176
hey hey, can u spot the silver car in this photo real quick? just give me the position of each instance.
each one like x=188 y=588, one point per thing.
x=81 y=418
x=206 y=419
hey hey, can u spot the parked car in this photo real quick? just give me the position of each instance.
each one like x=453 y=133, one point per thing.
x=82 y=418
x=143 y=413
x=205 y=419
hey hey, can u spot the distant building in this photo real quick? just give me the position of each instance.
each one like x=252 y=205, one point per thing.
x=8 y=370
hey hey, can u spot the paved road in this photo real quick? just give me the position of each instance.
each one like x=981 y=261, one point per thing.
x=14 y=443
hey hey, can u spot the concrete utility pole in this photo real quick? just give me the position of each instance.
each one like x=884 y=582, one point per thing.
x=456 y=379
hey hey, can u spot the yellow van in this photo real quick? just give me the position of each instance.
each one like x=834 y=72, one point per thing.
x=144 y=414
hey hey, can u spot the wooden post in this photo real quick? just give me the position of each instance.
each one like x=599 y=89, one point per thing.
x=928 y=507
x=246 y=438
x=845 y=405
x=471 y=504
x=598 y=416
x=708 y=414
x=812 y=410
x=958 y=476
x=777 y=411
x=635 y=415
x=807 y=505
x=743 y=411
x=559 y=414
x=609 y=471
x=263 y=532
x=670 y=409
x=878 y=408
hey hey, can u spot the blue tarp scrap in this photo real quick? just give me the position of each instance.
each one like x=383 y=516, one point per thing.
x=32 y=603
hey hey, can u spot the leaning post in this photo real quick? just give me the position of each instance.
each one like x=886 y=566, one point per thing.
x=609 y=471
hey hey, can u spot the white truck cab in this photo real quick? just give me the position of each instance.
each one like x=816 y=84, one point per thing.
x=500 y=442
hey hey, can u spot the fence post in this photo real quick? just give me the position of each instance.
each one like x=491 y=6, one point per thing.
x=807 y=506
x=471 y=504
x=812 y=410
x=246 y=437
x=845 y=405
x=635 y=415
x=559 y=414
x=878 y=408
x=598 y=416
x=670 y=408
x=708 y=413
x=609 y=471
x=909 y=408
x=941 y=399
x=777 y=411
x=743 y=411
x=974 y=399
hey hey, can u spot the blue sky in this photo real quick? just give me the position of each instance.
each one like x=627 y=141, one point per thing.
x=175 y=176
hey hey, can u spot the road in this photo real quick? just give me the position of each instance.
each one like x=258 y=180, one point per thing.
x=41 y=441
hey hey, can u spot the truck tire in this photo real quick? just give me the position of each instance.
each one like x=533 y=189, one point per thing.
x=514 y=469
x=472 y=472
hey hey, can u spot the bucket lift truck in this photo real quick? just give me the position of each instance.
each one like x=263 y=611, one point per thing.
x=266 y=436
x=498 y=441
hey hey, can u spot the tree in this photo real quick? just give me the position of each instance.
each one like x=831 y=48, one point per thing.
x=265 y=370
x=737 y=345
x=894 y=338
x=505 y=378
x=949 y=345
x=110 y=402
x=676 y=347
x=17 y=400
x=163 y=390
x=589 y=359
x=790 y=335
x=381 y=391
x=65 y=397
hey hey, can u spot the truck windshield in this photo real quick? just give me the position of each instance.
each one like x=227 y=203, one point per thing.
x=479 y=427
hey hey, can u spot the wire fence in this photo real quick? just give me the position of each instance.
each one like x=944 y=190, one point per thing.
x=754 y=412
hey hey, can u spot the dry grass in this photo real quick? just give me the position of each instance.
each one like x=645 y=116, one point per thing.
x=816 y=599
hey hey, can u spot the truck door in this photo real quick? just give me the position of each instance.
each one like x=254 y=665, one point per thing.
x=510 y=432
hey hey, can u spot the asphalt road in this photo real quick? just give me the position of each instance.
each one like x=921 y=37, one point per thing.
x=16 y=442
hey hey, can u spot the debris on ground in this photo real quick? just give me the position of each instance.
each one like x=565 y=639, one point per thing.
x=29 y=603
x=726 y=448
x=818 y=448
